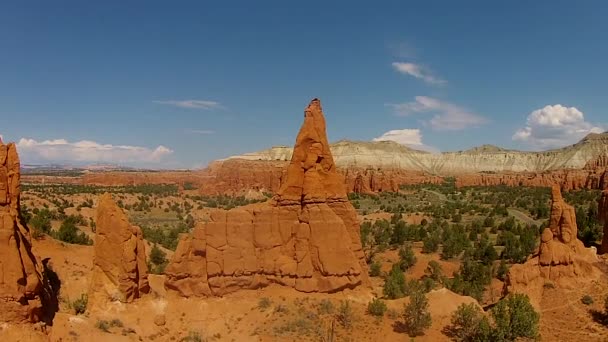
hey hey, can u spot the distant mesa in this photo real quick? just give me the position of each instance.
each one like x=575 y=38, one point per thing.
x=306 y=237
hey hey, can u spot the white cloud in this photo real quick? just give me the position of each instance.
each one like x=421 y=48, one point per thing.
x=192 y=104
x=419 y=72
x=408 y=137
x=448 y=117
x=61 y=150
x=200 y=131
x=555 y=126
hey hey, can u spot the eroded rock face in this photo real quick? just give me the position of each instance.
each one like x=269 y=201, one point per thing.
x=120 y=271
x=603 y=214
x=21 y=289
x=561 y=258
x=306 y=237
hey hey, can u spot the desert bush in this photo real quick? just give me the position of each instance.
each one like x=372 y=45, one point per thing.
x=587 y=300
x=346 y=315
x=407 y=258
x=325 y=307
x=264 y=303
x=376 y=307
x=375 y=269
x=469 y=324
x=514 y=317
x=68 y=232
x=416 y=315
x=80 y=305
x=158 y=260
x=394 y=284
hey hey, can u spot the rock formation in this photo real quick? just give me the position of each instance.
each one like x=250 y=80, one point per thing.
x=21 y=289
x=603 y=215
x=306 y=237
x=561 y=257
x=120 y=271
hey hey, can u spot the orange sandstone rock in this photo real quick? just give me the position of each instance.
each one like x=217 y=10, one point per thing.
x=306 y=237
x=119 y=266
x=561 y=258
x=21 y=283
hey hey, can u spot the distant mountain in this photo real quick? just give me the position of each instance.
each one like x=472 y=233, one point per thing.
x=490 y=158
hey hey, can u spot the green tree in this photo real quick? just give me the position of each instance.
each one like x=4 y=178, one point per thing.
x=514 y=317
x=416 y=314
x=394 y=284
x=469 y=324
x=407 y=258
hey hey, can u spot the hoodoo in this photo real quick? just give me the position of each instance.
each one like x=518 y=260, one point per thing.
x=20 y=273
x=561 y=257
x=306 y=237
x=119 y=266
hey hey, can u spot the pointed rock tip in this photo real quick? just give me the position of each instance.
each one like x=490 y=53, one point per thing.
x=556 y=193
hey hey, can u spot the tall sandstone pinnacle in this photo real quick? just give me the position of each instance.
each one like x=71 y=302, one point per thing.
x=603 y=214
x=120 y=271
x=561 y=258
x=306 y=237
x=21 y=289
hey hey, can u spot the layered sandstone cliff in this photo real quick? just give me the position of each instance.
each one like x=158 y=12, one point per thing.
x=120 y=271
x=21 y=285
x=306 y=237
x=561 y=258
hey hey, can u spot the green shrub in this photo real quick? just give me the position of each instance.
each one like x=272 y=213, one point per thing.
x=514 y=317
x=345 y=314
x=264 y=303
x=469 y=324
x=375 y=269
x=376 y=307
x=587 y=300
x=80 y=304
x=407 y=258
x=325 y=307
x=416 y=314
x=394 y=284
x=158 y=260
x=68 y=232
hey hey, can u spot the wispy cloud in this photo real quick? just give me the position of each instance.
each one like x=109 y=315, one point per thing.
x=192 y=104
x=200 y=131
x=418 y=71
x=448 y=116
x=555 y=126
x=62 y=150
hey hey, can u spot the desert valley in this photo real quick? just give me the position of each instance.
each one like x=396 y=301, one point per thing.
x=349 y=241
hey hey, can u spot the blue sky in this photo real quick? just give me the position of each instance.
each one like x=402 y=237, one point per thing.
x=178 y=84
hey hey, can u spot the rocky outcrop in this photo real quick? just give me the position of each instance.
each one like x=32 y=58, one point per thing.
x=120 y=271
x=21 y=283
x=561 y=258
x=306 y=237
x=603 y=215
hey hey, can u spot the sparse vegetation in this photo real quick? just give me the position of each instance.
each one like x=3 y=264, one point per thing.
x=345 y=314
